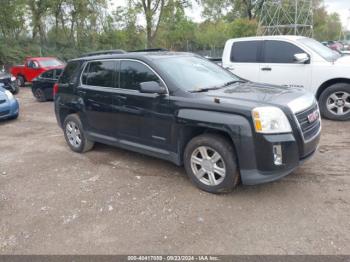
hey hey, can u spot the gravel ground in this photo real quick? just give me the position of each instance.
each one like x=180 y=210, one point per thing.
x=111 y=201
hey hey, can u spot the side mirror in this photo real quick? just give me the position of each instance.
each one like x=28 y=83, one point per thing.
x=302 y=58
x=152 y=87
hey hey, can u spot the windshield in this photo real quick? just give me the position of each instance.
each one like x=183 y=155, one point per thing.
x=195 y=73
x=320 y=49
x=50 y=62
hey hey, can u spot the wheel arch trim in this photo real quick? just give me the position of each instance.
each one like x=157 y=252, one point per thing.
x=237 y=127
x=329 y=83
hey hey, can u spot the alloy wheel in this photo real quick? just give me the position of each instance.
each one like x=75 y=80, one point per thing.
x=208 y=166
x=73 y=134
x=338 y=103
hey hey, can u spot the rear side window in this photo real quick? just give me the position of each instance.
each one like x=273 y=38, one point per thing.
x=58 y=73
x=245 y=52
x=280 y=52
x=70 y=73
x=48 y=74
x=132 y=74
x=100 y=73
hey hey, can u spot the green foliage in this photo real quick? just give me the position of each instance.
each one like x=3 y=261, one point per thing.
x=242 y=27
x=326 y=26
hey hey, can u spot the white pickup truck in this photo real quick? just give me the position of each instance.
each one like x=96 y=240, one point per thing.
x=294 y=61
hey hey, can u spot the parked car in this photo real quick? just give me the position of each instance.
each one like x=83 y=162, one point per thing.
x=185 y=109
x=9 y=82
x=42 y=86
x=9 y=107
x=294 y=61
x=33 y=67
x=334 y=45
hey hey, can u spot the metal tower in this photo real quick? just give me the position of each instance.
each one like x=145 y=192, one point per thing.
x=286 y=17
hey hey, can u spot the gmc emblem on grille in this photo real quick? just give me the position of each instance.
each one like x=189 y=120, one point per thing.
x=313 y=116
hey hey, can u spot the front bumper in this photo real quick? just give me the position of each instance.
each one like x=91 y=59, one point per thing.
x=9 y=109
x=262 y=169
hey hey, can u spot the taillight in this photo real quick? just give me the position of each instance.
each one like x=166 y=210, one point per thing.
x=55 y=89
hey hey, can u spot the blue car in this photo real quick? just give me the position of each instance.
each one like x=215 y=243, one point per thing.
x=9 y=107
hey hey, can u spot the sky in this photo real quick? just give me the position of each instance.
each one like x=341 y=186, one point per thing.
x=342 y=7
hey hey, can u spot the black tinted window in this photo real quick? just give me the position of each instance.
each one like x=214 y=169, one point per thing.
x=100 y=73
x=58 y=73
x=133 y=73
x=280 y=52
x=70 y=72
x=245 y=52
x=48 y=74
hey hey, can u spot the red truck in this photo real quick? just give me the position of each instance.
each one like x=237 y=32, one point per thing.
x=33 y=67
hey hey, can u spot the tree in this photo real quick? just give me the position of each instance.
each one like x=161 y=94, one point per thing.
x=153 y=11
x=231 y=9
x=176 y=31
x=38 y=9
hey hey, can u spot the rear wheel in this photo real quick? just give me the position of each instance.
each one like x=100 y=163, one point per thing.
x=40 y=95
x=335 y=102
x=74 y=135
x=20 y=81
x=210 y=163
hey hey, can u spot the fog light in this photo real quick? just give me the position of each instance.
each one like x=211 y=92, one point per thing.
x=277 y=155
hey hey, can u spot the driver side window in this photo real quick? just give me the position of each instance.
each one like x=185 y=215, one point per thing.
x=280 y=52
x=32 y=64
x=133 y=73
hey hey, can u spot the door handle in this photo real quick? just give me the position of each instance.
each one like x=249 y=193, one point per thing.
x=230 y=68
x=122 y=98
x=266 y=69
x=81 y=92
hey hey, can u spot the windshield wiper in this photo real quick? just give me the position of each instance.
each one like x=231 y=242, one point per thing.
x=200 y=90
x=233 y=82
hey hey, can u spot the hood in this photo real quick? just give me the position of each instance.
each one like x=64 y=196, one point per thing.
x=3 y=96
x=344 y=60
x=261 y=93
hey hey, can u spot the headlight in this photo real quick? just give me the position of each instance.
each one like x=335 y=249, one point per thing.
x=9 y=94
x=270 y=120
x=13 y=78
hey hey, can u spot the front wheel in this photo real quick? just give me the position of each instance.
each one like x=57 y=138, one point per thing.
x=20 y=81
x=74 y=135
x=210 y=162
x=335 y=102
x=39 y=95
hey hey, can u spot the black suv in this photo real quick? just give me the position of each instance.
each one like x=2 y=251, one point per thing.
x=185 y=109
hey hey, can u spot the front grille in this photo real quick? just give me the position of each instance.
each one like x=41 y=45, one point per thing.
x=2 y=101
x=309 y=130
x=4 y=113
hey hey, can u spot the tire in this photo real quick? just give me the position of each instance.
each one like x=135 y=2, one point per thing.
x=334 y=102
x=72 y=122
x=218 y=147
x=16 y=90
x=20 y=81
x=39 y=95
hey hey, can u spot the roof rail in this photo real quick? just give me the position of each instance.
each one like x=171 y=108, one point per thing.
x=104 y=52
x=150 y=50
